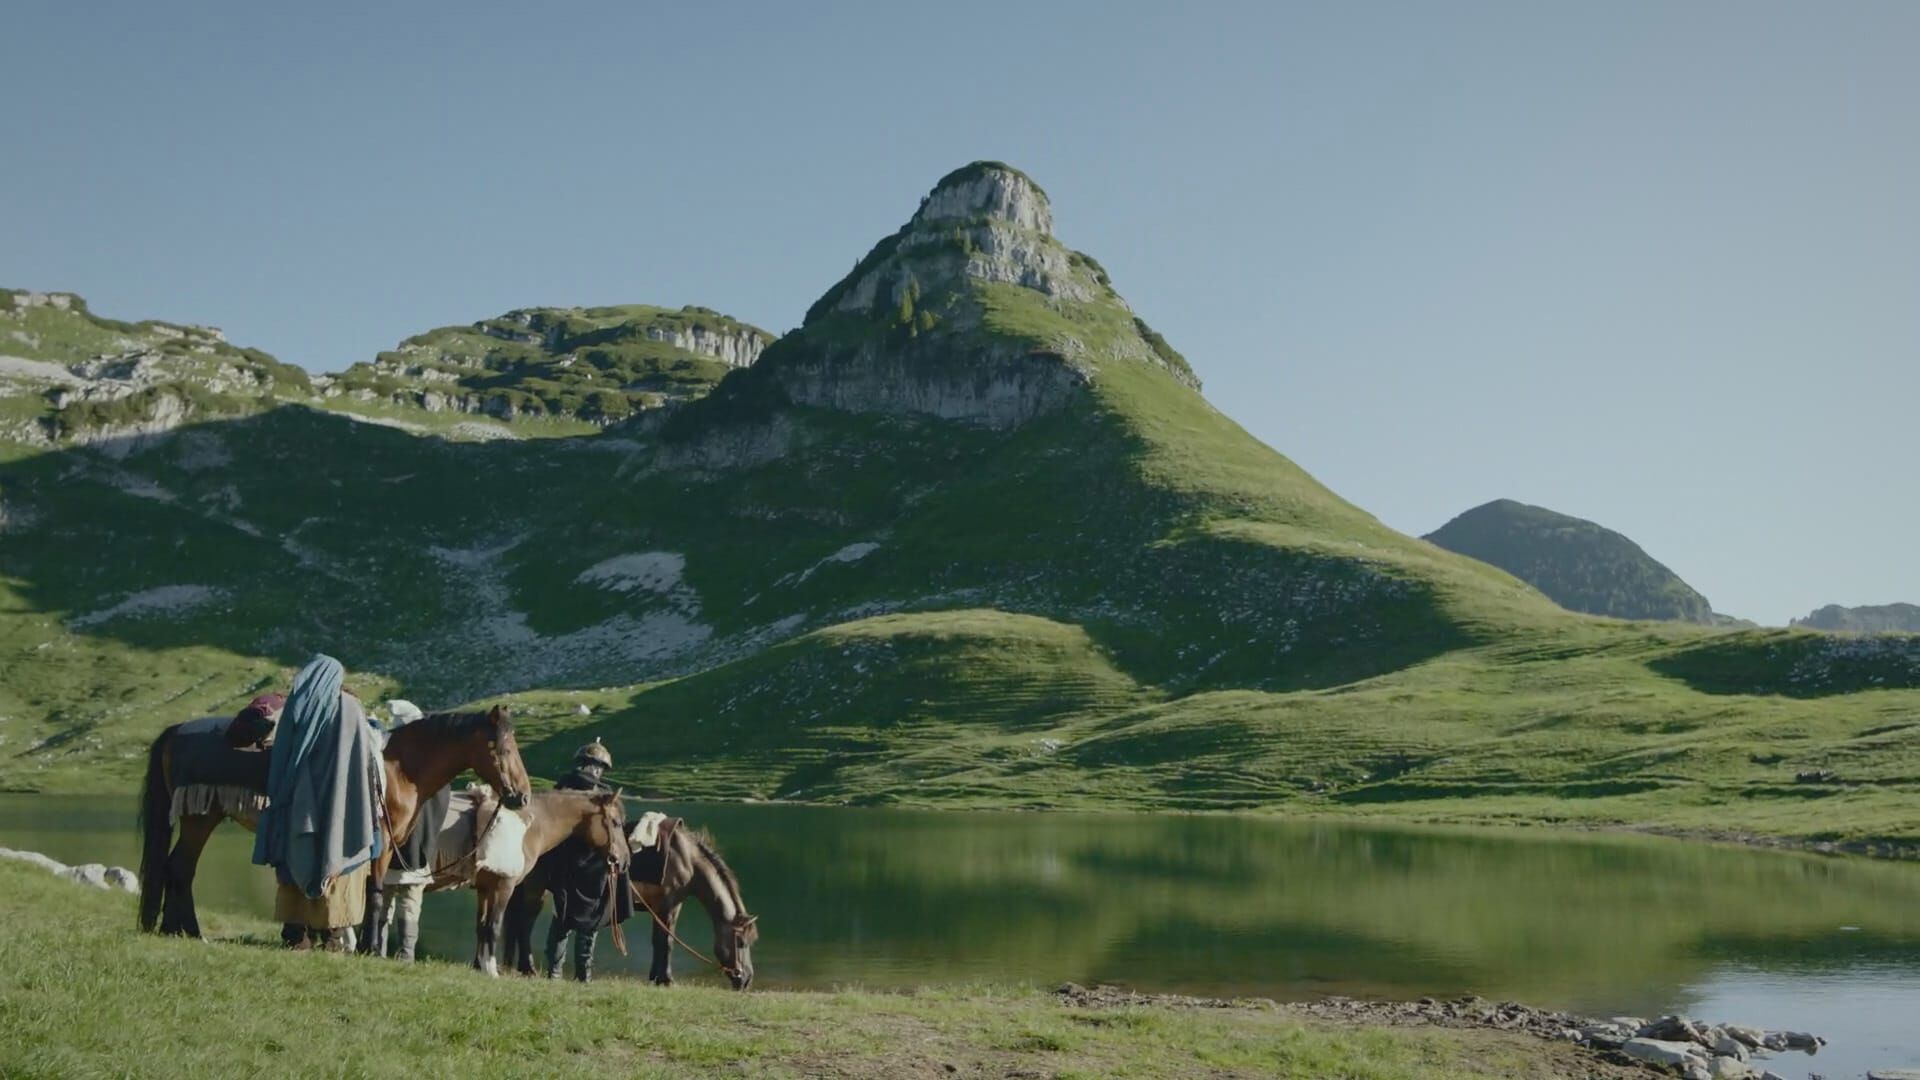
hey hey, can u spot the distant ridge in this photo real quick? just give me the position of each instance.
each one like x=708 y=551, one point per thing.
x=1580 y=565
x=1866 y=619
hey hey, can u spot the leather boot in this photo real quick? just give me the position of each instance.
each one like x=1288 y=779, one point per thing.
x=583 y=942
x=293 y=935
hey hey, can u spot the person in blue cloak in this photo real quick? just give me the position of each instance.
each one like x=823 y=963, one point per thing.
x=319 y=831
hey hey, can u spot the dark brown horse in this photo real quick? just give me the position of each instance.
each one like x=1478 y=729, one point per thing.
x=690 y=866
x=420 y=759
x=693 y=867
x=550 y=817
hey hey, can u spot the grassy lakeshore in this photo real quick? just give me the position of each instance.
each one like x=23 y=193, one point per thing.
x=83 y=994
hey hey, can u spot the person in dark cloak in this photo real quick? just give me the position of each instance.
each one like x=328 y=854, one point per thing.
x=577 y=876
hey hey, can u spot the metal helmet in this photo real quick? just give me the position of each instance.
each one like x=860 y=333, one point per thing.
x=595 y=752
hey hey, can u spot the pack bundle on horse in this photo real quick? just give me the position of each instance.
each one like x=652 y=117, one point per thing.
x=196 y=779
x=670 y=863
x=491 y=849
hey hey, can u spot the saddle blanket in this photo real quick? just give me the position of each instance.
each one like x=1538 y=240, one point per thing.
x=501 y=849
x=646 y=831
x=648 y=841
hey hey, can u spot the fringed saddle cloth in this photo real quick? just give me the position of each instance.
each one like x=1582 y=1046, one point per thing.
x=211 y=776
x=649 y=840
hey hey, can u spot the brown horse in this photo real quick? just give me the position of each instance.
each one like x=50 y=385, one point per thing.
x=420 y=759
x=550 y=817
x=693 y=866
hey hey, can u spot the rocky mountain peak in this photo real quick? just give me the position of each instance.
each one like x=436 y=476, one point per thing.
x=971 y=311
x=987 y=190
x=984 y=223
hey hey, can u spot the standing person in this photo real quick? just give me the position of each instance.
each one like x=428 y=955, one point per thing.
x=578 y=876
x=412 y=868
x=318 y=830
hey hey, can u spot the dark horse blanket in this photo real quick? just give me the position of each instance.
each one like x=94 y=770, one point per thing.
x=210 y=776
x=650 y=862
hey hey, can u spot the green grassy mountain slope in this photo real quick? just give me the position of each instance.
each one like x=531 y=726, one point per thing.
x=970 y=536
x=1580 y=565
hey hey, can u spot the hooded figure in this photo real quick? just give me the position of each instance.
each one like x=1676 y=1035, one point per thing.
x=576 y=875
x=318 y=830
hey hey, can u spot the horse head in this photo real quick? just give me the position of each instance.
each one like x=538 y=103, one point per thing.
x=733 y=947
x=606 y=830
x=500 y=765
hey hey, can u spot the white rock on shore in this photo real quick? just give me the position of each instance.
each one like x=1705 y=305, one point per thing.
x=98 y=875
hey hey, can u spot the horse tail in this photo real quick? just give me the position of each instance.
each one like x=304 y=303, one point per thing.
x=156 y=829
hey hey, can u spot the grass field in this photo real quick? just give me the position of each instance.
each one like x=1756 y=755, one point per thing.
x=83 y=994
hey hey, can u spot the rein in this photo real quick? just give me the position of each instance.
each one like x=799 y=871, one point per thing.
x=730 y=972
x=613 y=885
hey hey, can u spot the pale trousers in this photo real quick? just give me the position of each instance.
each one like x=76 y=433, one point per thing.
x=405 y=901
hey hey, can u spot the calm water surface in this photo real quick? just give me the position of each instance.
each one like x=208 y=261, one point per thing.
x=1231 y=905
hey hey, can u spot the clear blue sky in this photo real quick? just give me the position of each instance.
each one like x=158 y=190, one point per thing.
x=1655 y=264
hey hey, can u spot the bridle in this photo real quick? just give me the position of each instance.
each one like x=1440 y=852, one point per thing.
x=499 y=763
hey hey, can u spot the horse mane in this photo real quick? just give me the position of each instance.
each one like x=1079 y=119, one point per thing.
x=454 y=724
x=703 y=840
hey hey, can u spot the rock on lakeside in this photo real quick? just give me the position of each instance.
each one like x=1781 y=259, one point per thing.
x=1687 y=1047
x=98 y=875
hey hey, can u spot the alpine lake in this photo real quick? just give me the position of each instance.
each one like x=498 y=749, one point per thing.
x=1245 y=906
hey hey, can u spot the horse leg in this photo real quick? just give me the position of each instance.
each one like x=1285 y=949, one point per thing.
x=373 y=925
x=522 y=911
x=662 y=970
x=493 y=909
x=379 y=919
x=177 y=914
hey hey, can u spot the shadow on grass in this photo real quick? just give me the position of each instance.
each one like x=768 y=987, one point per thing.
x=1796 y=664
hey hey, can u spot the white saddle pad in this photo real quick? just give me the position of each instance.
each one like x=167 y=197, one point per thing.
x=646 y=832
x=503 y=849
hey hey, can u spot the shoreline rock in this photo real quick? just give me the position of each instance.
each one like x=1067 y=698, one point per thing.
x=1688 y=1047
x=96 y=875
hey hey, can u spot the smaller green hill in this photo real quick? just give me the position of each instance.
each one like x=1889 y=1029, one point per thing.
x=1579 y=565
x=1869 y=619
x=599 y=364
x=69 y=374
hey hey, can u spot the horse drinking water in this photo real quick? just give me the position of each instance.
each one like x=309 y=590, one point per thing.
x=670 y=863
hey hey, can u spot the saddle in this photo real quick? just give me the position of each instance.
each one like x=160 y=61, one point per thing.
x=252 y=728
x=649 y=840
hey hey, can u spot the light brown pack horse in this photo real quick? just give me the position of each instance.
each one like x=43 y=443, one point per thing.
x=420 y=759
x=551 y=817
